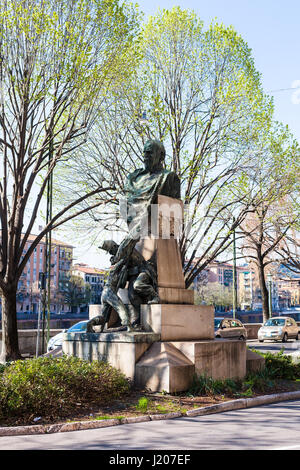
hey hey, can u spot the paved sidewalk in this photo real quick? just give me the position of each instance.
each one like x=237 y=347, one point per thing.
x=275 y=426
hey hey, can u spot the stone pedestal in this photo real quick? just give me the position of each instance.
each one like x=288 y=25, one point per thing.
x=121 y=349
x=219 y=359
x=170 y=366
x=179 y=322
x=164 y=231
x=179 y=336
x=171 y=295
x=254 y=362
x=164 y=368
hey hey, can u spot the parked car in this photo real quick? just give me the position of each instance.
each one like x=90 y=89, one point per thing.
x=229 y=328
x=57 y=340
x=279 y=329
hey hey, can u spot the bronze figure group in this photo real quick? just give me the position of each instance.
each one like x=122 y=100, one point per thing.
x=128 y=266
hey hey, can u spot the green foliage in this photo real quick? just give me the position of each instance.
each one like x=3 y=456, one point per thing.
x=161 y=409
x=102 y=418
x=204 y=100
x=259 y=382
x=204 y=385
x=56 y=386
x=77 y=292
x=280 y=366
x=143 y=404
x=214 y=293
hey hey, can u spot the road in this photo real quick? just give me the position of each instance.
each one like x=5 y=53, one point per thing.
x=269 y=427
x=274 y=347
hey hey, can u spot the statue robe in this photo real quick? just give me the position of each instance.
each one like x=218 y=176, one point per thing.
x=142 y=189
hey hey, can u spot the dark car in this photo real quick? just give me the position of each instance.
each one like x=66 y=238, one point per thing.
x=229 y=328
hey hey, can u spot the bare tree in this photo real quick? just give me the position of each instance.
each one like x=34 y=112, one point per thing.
x=265 y=232
x=199 y=93
x=56 y=60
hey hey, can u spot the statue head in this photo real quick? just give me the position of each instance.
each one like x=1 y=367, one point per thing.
x=110 y=246
x=154 y=155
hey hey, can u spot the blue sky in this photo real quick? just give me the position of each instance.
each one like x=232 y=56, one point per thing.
x=271 y=29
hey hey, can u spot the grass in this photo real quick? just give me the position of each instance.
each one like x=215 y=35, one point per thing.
x=100 y=418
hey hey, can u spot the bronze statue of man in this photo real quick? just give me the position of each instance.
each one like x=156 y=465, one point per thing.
x=141 y=190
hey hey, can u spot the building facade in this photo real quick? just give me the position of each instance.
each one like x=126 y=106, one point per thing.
x=94 y=277
x=289 y=292
x=29 y=296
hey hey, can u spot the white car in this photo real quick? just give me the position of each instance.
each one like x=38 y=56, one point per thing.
x=279 y=329
x=56 y=341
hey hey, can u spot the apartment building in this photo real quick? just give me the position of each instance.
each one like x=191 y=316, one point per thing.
x=95 y=277
x=28 y=296
x=289 y=291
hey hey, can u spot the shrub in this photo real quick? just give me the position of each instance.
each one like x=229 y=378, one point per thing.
x=258 y=382
x=204 y=385
x=280 y=366
x=55 y=386
x=253 y=383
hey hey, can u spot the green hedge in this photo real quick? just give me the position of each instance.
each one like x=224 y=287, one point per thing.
x=55 y=386
x=281 y=366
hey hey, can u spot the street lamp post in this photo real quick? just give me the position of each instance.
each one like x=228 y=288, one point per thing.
x=270 y=294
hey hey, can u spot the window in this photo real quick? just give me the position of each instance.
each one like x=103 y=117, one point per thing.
x=235 y=324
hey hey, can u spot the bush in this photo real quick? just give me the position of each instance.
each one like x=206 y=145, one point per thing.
x=280 y=366
x=55 y=386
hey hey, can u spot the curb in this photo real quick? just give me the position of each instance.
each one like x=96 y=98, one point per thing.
x=231 y=405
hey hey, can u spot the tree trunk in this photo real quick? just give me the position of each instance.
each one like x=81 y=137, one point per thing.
x=10 y=344
x=264 y=292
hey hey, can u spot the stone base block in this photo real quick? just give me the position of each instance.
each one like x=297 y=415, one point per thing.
x=254 y=362
x=179 y=322
x=164 y=368
x=219 y=359
x=169 y=295
x=121 y=349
